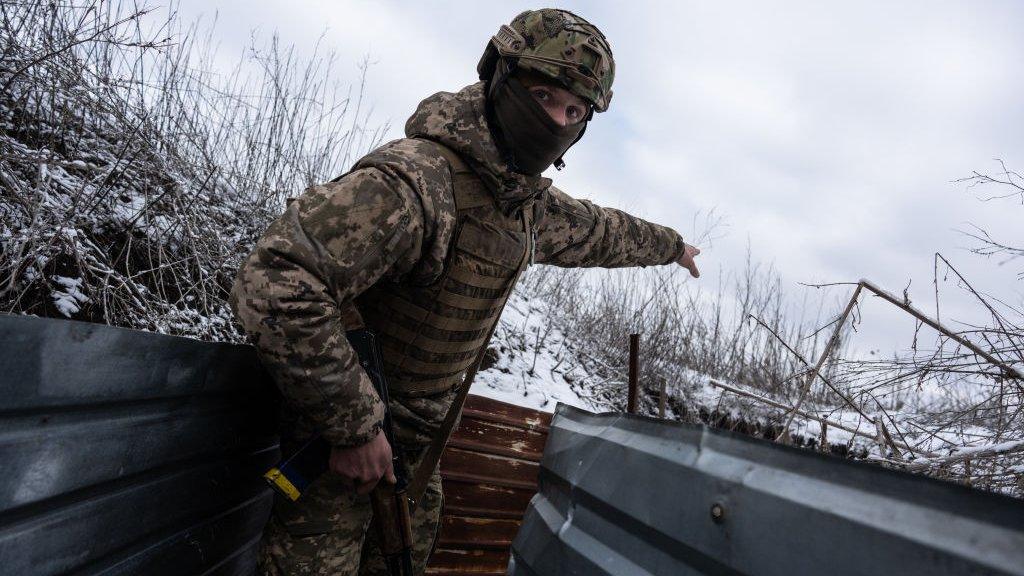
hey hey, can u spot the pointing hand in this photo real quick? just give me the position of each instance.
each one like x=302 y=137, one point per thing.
x=686 y=260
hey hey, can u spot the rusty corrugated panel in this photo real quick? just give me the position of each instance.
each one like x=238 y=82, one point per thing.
x=489 y=470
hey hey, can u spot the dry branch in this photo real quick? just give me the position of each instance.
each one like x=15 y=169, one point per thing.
x=808 y=415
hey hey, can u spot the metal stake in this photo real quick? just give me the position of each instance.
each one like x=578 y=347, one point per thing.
x=634 y=373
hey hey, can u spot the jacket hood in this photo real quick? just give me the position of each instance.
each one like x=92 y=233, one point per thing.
x=459 y=121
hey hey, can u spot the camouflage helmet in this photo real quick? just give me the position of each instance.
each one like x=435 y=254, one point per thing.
x=560 y=45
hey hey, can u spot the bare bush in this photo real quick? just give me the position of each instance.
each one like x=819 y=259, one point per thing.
x=688 y=333
x=134 y=177
x=1003 y=185
x=948 y=405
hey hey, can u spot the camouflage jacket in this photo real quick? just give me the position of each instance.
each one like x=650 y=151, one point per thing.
x=393 y=217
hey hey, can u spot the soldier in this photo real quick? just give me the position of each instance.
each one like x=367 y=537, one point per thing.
x=422 y=242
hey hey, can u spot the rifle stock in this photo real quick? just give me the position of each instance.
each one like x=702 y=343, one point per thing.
x=391 y=517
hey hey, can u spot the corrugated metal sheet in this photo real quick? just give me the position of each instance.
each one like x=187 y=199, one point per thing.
x=624 y=494
x=134 y=453
x=127 y=452
x=489 y=471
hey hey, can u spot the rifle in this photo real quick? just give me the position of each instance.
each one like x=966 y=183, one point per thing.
x=390 y=503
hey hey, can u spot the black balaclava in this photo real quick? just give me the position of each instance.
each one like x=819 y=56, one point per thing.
x=529 y=137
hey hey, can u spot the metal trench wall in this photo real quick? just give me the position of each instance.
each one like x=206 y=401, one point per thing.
x=126 y=452
x=631 y=495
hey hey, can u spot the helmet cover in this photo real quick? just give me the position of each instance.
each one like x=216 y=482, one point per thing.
x=558 y=45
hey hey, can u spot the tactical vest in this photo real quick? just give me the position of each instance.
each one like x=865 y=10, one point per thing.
x=430 y=335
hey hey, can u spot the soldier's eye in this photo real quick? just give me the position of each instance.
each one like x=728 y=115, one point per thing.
x=574 y=113
x=541 y=94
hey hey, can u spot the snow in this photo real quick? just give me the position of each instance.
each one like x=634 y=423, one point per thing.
x=1010 y=446
x=537 y=366
x=69 y=300
x=531 y=369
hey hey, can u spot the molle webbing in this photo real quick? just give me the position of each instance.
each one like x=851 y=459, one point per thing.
x=430 y=335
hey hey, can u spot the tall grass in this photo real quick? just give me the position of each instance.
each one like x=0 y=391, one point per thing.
x=135 y=176
x=688 y=332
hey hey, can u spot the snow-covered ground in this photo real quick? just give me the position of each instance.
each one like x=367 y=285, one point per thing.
x=538 y=365
x=533 y=368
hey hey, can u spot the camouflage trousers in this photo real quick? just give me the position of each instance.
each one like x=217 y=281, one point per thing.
x=325 y=531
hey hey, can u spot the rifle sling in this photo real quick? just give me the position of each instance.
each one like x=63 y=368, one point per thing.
x=418 y=484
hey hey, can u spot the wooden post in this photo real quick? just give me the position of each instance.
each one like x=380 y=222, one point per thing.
x=634 y=373
x=661 y=400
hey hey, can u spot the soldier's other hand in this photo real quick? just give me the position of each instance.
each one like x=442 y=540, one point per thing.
x=686 y=260
x=364 y=466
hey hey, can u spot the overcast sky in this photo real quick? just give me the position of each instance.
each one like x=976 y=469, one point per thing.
x=826 y=133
